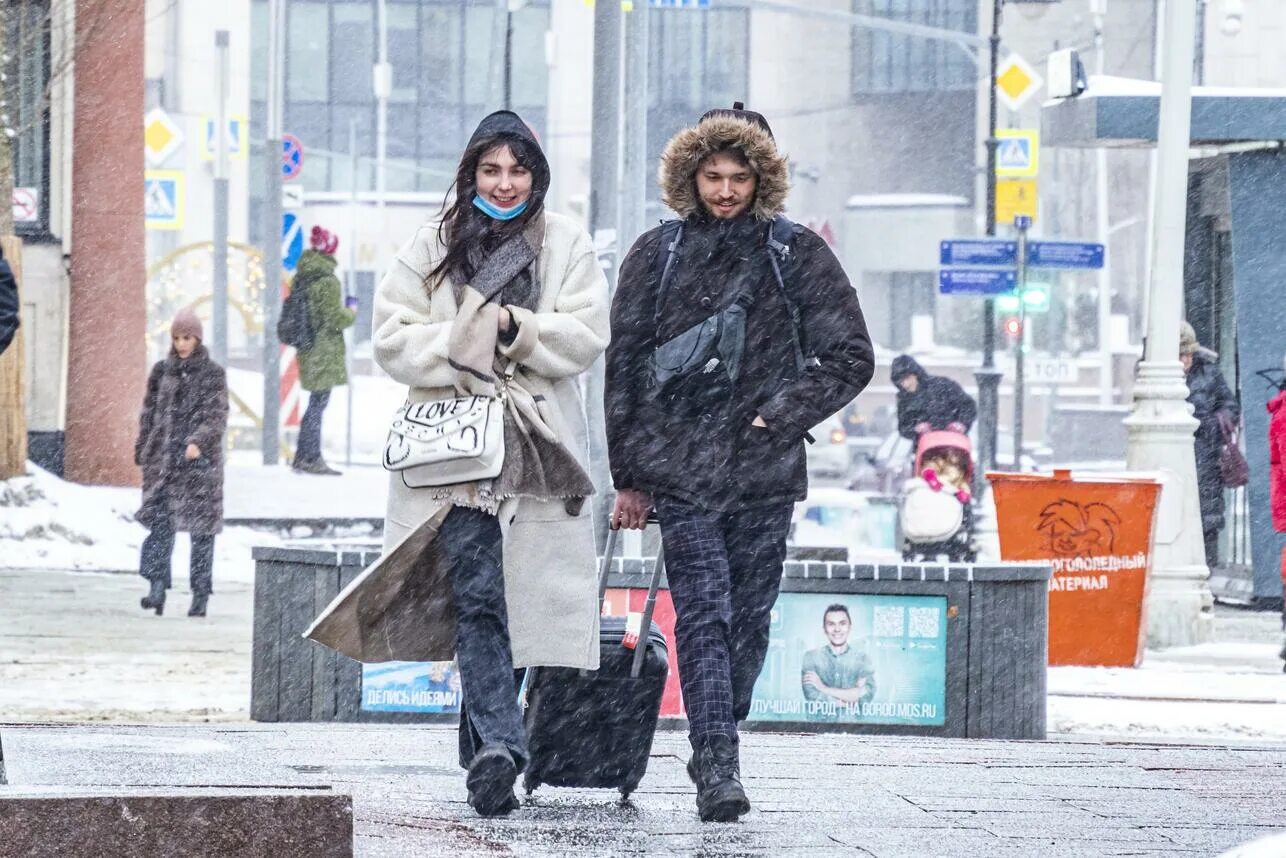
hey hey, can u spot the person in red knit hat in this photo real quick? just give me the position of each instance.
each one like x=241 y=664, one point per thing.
x=323 y=366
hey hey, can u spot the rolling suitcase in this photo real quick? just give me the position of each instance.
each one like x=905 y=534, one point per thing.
x=594 y=729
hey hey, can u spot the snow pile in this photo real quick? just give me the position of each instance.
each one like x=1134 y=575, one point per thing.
x=1226 y=690
x=48 y=523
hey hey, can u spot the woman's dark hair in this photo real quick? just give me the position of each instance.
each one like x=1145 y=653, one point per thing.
x=468 y=234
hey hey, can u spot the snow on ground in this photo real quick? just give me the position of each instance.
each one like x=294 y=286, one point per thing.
x=47 y=523
x=375 y=399
x=1233 y=688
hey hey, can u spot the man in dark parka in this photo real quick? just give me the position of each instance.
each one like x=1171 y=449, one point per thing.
x=180 y=449
x=929 y=402
x=724 y=471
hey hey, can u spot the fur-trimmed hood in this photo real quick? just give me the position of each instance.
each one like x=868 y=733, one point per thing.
x=687 y=149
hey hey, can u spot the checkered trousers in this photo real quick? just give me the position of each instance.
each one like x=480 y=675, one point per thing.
x=724 y=571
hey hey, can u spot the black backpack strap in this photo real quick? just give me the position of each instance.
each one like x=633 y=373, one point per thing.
x=667 y=251
x=781 y=248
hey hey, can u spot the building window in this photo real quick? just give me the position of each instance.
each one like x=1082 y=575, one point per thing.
x=444 y=54
x=699 y=60
x=885 y=62
x=26 y=96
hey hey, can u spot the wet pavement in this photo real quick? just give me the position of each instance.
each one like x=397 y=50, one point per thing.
x=813 y=795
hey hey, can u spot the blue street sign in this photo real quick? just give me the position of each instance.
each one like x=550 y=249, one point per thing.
x=978 y=251
x=1064 y=254
x=292 y=156
x=976 y=281
x=292 y=242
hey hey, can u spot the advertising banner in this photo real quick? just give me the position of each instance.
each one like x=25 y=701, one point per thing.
x=855 y=659
x=832 y=658
x=411 y=686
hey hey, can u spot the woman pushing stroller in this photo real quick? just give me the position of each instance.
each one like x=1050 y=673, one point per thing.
x=937 y=504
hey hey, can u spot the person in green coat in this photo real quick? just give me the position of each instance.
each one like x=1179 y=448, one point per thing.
x=323 y=366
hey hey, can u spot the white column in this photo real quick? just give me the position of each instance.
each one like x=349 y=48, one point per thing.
x=1161 y=426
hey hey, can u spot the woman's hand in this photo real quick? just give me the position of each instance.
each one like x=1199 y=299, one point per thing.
x=192 y=453
x=505 y=320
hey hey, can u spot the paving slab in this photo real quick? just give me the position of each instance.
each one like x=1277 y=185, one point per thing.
x=814 y=795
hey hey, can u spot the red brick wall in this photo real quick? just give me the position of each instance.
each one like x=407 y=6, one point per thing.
x=106 y=351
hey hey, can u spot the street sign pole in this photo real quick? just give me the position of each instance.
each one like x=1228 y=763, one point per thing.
x=1023 y=223
x=220 y=268
x=987 y=376
x=272 y=235
x=605 y=163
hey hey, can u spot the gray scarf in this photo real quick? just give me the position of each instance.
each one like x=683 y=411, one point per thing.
x=536 y=463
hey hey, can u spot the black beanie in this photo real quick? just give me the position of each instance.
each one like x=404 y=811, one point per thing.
x=739 y=111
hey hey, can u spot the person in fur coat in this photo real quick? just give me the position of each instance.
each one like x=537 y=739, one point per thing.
x=180 y=449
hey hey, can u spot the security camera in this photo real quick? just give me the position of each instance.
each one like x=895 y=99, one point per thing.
x=1233 y=11
x=1065 y=74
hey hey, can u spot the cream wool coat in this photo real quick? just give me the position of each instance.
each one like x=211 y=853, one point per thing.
x=399 y=609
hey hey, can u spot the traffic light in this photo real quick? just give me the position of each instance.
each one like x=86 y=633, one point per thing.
x=1013 y=328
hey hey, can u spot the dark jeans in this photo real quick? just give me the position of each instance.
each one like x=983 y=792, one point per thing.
x=310 y=426
x=471 y=545
x=724 y=571
x=158 y=549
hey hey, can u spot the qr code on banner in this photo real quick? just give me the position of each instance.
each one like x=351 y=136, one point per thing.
x=888 y=621
x=925 y=622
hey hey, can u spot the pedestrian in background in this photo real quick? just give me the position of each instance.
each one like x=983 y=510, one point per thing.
x=9 y=306
x=180 y=449
x=710 y=430
x=1215 y=406
x=324 y=366
x=929 y=402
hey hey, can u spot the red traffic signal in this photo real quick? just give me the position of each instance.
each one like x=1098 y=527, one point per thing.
x=1013 y=326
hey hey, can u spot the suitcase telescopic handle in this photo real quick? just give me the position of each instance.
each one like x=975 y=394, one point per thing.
x=649 y=608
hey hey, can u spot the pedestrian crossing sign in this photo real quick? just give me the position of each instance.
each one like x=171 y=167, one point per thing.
x=1017 y=153
x=163 y=199
x=238 y=135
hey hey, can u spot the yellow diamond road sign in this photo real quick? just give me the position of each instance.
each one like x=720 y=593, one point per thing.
x=1016 y=82
x=162 y=137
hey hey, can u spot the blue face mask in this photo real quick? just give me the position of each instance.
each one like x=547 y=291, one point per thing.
x=499 y=214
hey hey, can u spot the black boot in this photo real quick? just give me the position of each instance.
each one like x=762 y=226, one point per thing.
x=199 y=601
x=491 y=781
x=155 y=599
x=720 y=797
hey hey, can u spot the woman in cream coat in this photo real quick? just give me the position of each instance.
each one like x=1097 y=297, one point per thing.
x=500 y=573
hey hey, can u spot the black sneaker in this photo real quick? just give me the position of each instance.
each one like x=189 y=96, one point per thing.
x=720 y=796
x=491 y=782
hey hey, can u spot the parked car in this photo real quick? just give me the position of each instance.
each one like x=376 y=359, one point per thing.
x=828 y=455
x=862 y=524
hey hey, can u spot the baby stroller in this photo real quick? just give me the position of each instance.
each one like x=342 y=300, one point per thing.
x=936 y=508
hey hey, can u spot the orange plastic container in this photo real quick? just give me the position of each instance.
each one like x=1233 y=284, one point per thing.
x=1097 y=534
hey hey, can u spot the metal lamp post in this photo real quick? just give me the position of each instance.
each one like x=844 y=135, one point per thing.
x=987 y=376
x=1161 y=426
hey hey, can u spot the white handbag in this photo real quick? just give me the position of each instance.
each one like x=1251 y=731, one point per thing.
x=444 y=442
